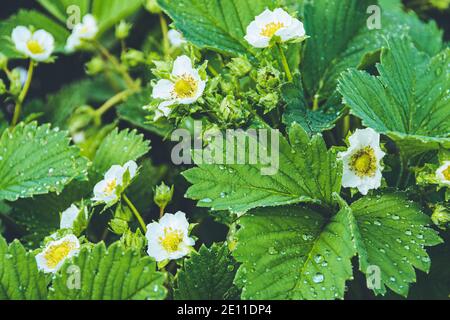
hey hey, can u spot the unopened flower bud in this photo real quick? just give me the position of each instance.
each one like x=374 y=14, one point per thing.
x=123 y=30
x=133 y=57
x=441 y=216
x=2 y=87
x=240 y=66
x=152 y=6
x=163 y=195
x=95 y=66
x=118 y=226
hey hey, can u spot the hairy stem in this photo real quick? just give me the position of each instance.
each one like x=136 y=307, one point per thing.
x=135 y=212
x=23 y=95
x=285 y=63
x=120 y=97
x=165 y=32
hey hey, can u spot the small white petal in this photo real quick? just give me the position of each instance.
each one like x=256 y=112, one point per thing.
x=163 y=90
x=69 y=216
x=181 y=66
x=176 y=38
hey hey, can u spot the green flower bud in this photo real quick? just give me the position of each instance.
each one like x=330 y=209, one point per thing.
x=268 y=77
x=440 y=4
x=123 y=30
x=152 y=6
x=3 y=61
x=15 y=83
x=133 y=57
x=2 y=87
x=441 y=216
x=95 y=66
x=133 y=240
x=118 y=226
x=239 y=67
x=163 y=195
x=269 y=101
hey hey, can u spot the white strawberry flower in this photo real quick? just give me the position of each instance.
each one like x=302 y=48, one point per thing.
x=185 y=87
x=362 y=161
x=107 y=190
x=85 y=30
x=57 y=252
x=443 y=173
x=176 y=38
x=69 y=216
x=38 y=45
x=169 y=238
x=274 y=23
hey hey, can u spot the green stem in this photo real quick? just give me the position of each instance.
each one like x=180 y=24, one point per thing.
x=23 y=94
x=135 y=212
x=121 y=96
x=165 y=32
x=346 y=126
x=285 y=63
x=119 y=68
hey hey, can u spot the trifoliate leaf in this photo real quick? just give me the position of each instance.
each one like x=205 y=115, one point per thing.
x=37 y=160
x=38 y=21
x=206 y=275
x=293 y=253
x=117 y=149
x=132 y=111
x=390 y=233
x=307 y=172
x=297 y=110
x=19 y=275
x=218 y=25
x=115 y=273
x=409 y=101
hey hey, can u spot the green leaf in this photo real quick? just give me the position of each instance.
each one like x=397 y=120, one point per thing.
x=112 y=12
x=293 y=253
x=19 y=275
x=218 y=25
x=109 y=274
x=297 y=110
x=410 y=105
x=307 y=172
x=37 y=160
x=117 y=149
x=58 y=8
x=38 y=21
x=39 y=216
x=206 y=275
x=132 y=111
x=339 y=38
x=390 y=233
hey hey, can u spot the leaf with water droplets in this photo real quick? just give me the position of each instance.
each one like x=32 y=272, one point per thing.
x=207 y=275
x=19 y=275
x=113 y=273
x=280 y=262
x=395 y=246
x=410 y=105
x=307 y=172
x=36 y=160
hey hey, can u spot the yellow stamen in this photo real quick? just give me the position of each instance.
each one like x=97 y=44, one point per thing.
x=364 y=162
x=185 y=87
x=171 y=240
x=271 y=28
x=446 y=173
x=35 y=47
x=110 y=186
x=57 y=253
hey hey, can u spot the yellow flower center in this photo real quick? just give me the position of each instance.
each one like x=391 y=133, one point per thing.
x=185 y=87
x=110 y=186
x=270 y=29
x=364 y=162
x=446 y=173
x=57 y=253
x=35 y=47
x=171 y=240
